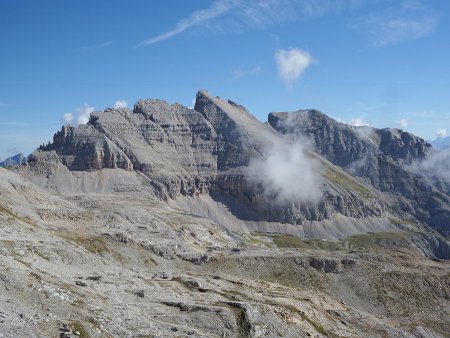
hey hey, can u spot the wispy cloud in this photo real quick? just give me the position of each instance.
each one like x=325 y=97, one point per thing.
x=292 y=63
x=239 y=73
x=225 y=16
x=197 y=18
x=3 y=104
x=410 y=20
x=98 y=46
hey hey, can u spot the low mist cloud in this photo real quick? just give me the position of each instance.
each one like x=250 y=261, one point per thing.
x=437 y=165
x=79 y=116
x=287 y=173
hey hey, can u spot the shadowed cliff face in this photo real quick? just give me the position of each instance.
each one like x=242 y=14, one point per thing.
x=217 y=148
x=383 y=158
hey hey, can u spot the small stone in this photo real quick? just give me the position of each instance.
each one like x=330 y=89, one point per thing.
x=174 y=329
x=94 y=278
x=140 y=293
x=77 y=333
x=80 y=283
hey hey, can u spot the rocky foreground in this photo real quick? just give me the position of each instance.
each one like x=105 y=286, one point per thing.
x=148 y=223
x=118 y=266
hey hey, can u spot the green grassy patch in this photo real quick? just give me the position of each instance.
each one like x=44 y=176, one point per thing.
x=363 y=241
x=76 y=326
x=95 y=245
x=347 y=182
x=397 y=221
x=373 y=239
x=319 y=328
x=290 y=241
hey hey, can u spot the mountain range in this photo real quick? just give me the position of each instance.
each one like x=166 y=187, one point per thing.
x=441 y=143
x=13 y=160
x=208 y=222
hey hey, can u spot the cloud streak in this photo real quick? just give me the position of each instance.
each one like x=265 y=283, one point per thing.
x=225 y=16
x=197 y=18
x=98 y=46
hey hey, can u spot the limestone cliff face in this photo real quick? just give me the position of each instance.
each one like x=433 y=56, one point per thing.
x=205 y=150
x=380 y=157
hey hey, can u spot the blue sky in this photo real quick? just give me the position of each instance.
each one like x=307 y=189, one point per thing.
x=381 y=62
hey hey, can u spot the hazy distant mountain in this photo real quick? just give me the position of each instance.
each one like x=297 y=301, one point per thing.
x=441 y=143
x=13 y=160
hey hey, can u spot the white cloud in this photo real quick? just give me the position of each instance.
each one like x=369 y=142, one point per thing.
x=68 y=118
x=79 y=116
x=120 y=104
x=441 y=132
x=192 y=104
x=357 y=122
x=403 y=123
x=225 y=16
x=292 y=63
x=410 y=20
x=287 y=173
